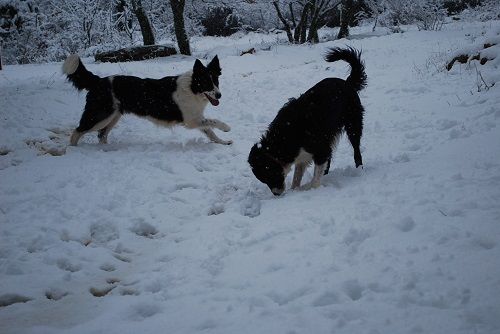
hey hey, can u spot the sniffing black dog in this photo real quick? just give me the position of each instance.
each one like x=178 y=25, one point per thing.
x=307 y=129
x=167 y=101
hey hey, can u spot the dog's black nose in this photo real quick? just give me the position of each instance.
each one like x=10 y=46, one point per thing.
x=218 y=95
x=277 y=191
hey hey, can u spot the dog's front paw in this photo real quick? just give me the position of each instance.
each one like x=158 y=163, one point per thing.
x=304 y=187
x=224 y=127
x=226 y=142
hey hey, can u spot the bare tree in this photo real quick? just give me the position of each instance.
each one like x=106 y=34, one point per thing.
x=313 y=14
x=375 y=7
x=346 y=14
x=284 y=21
x=147 y=32
x=319 y=9
x=84 y=15
x=180 y=29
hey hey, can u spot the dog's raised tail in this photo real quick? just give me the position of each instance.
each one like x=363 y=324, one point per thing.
x=357 y=78
x=77 y=74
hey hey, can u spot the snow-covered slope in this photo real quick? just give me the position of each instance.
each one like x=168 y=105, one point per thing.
x=162 y=232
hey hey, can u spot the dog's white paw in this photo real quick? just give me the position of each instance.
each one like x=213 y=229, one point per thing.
x=226 y=142
x=224 y=127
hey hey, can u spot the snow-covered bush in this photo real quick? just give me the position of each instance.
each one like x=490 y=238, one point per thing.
x=23 y=32
x=482 y=56
x=426 y=14
x=489 y=10
x=220 y=21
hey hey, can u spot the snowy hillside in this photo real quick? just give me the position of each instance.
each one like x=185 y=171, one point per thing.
x=161 y=231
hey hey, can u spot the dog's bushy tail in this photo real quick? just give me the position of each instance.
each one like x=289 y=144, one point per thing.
x=357 y=78
x=77 y=74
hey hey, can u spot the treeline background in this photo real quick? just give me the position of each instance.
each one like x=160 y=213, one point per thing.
x=33 y=31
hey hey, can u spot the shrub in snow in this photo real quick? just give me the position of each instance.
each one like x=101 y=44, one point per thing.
x=456 y=6
x=429 y=14
x=220 y=21
x=426 y=14
x=21 y=29
x=489 y=10
x=486 y=52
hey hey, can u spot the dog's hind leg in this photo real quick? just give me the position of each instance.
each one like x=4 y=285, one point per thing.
x=354 y=130
x=355 y=138
x=90 y=121
x=213 y=137
x=103 y=133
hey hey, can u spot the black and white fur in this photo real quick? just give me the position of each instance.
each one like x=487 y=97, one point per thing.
x=167 y=101
x=307 y=129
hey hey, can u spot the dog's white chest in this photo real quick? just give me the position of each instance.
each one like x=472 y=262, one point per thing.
x=304 y=157
x=190 y=105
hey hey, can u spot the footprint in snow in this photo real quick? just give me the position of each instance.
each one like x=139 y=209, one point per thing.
x=250 y=206
x=186 y=185
x=485 y=243
x=216 y=209
x=112 y=280
x=460 y=133
x=353 y=289
x=101 y=292
x=107 y=267
x=55 y=294
x=325 y=299
x=356 y=236
x=142 y=311
x=406 y=224
x=400 y=158
x=66 y=265
x=445 y=124
x=103 y=232
x=12 y=298
x=122 y=258
x=143 y=229
x=129 y=292
x=55 y=146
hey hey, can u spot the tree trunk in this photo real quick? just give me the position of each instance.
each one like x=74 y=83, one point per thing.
x=147 y=32
x=294 y=24
x=285 y=23
x=375 y=24
x=180 y=30
x=312 y=36
x=302 y=25
x=303 y=28
x=345 y=18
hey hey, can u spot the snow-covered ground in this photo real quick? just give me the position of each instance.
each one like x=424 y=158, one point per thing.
x=161 y=231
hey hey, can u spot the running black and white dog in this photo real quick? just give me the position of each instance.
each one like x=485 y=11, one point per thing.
x=307 y=129
x=167 y=101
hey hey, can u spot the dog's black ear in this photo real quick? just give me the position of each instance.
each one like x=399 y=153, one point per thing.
x=214 y=66
x=198 y=66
